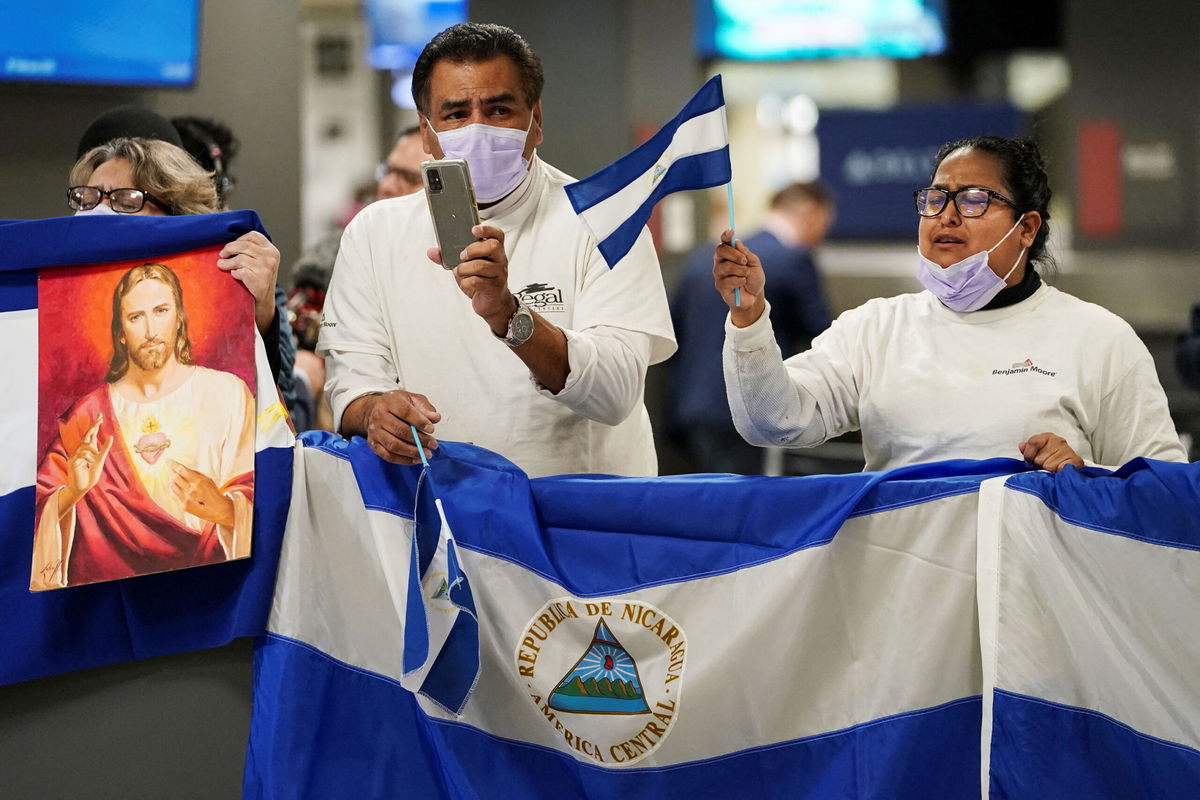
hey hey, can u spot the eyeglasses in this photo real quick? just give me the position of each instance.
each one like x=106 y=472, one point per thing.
x=970 y=202
x=385 y=170
x=123 y=201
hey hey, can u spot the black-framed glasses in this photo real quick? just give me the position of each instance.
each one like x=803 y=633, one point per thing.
x=971 y=201
x=123 y=201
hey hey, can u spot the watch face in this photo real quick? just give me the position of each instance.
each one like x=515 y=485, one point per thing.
x=522 y=327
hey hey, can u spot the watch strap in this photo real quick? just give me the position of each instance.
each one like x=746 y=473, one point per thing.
x=520 y=326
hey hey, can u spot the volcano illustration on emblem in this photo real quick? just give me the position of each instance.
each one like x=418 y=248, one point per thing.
x=604 y=681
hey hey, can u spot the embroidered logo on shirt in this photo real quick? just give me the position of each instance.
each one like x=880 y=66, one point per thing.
x=542 y=297
x=1021 y=367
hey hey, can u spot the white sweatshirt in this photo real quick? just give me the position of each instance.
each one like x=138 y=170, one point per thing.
x=925 y=383
x=394 y=319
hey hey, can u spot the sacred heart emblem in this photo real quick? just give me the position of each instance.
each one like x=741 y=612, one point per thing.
x=151 y=446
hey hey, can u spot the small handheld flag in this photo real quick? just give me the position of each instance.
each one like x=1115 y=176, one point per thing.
x=689 y=152
x=737 y=293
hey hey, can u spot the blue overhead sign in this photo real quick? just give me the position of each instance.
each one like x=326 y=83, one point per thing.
x=874 y=160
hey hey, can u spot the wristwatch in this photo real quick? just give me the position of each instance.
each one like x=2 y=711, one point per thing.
x=520 y=326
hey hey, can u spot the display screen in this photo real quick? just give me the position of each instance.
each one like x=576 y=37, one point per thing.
x=873 y=161
x=399 y=29
x=764 y=30
x=147 y=43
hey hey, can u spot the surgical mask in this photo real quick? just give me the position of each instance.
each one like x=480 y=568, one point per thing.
x=966 y=285
x=494 y=155
x=99 y=208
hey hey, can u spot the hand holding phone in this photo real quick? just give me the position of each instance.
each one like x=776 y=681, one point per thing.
x=451 y=198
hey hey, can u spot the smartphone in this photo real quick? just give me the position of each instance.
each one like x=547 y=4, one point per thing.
x=451 y=198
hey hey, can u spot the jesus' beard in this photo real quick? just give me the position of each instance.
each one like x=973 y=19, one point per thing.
x=151 y=356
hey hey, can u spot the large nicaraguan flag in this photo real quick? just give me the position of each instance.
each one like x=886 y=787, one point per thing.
x=1089 y=609
x=190 y=609
x=689 y=152
x=716 y=636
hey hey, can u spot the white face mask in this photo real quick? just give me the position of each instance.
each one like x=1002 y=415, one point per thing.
x=966 y=285
x=494 y=155
x=99 y=209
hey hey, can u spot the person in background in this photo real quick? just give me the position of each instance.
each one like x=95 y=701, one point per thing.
x=988 y=361
x=166 y=181
x=1187 y=358
x=397 y=175
x=400 y=171
x=697 y=411
x=532 y=347
x=1187 y=350
x=305 y=301
x=127 y=122
x=214 y=146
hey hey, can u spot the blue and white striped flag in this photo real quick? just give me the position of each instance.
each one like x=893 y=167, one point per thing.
x=690 y=152
x=947 y=631
x=1089 y=622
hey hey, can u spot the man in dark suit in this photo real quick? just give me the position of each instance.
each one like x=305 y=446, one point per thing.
x=697 y=411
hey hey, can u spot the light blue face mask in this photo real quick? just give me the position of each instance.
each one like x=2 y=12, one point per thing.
x=98 y=209
x=966 y=285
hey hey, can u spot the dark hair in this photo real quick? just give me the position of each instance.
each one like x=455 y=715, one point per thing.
x=1024 y=173
x=471 y=43
x=127 y=122
x=152 y=272
x=213 y=146
x=802 y=192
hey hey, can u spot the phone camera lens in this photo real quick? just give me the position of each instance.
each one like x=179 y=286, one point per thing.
x=435 y=181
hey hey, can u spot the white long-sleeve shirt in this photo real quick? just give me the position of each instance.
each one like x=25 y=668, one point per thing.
x=394 y=319
x=925 y=383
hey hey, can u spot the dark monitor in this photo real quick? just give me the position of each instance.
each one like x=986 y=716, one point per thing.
x=149 y=43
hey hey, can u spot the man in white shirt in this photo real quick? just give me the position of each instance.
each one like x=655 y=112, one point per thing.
x=408 y=344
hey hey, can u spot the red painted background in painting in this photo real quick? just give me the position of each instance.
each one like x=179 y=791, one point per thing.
x=75 y=315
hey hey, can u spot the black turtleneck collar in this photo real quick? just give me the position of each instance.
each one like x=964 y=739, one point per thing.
x=1011 y=295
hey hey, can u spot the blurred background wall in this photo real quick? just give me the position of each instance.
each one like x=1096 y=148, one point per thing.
x=1111 y=90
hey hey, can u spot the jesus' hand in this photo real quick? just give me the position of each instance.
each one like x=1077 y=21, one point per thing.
x=200 y=496
x=84 y=465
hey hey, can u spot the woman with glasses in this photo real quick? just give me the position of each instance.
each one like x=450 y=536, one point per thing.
x=988 y=361
x=156 y=178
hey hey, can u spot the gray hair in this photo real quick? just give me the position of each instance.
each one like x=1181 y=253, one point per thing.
x=162 y=169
